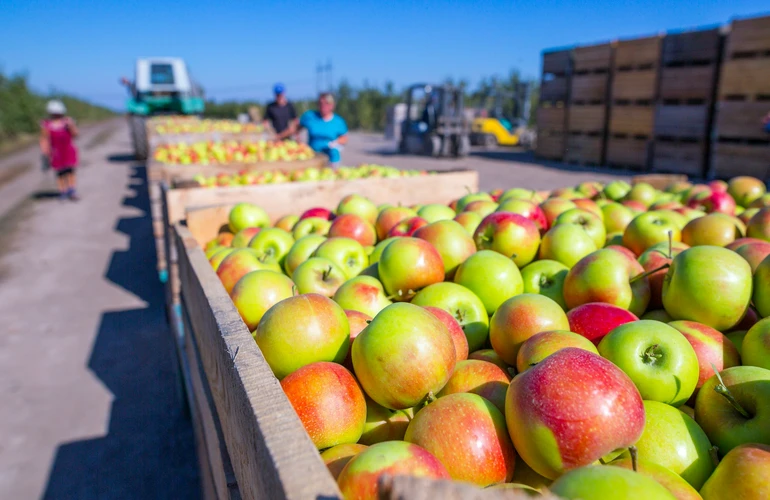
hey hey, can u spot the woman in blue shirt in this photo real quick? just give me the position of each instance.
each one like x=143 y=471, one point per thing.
x=327 y=132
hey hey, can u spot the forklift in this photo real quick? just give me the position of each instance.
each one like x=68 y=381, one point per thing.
x=501 y=125
x=435 y=123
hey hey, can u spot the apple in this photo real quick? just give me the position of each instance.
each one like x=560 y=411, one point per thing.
x=636 y=206
x=571 y=409
x=761 y=202
x=312 y=225
x=541 y=345
x=407 y=227
x=658 y=315
x=329 y=403
x=452 y=241
x=589 y=221
x=354 y=227
x=490 y=356
x=491 y=276
x=656 y=261
x=590 y=206
x=272 y=245
x=469 y=198
x=751 y=249
x=736 y=337
x=756 y=345
x=735 y=410
x=566 y=243
x=435 y=212
x=553 y=207
x=742 y=474
x=707 y=284
x=650 y=228
x=258 y=291
x=759 y=225
x=568 y=193
x=463 y=305
x=745 y=190
x=674 y=483
x=616 y=190
x=642 y=193
x=716 y=201
x=747 y=214
x=357 y=321
x=598 y=482
x=376 y=253
x=224 y=239
x=358 y=205
x=469 y=221
x=240 y=262
x=594 y=320
x=512 y=235
x=521 y=317
x=455 y=331
x=244 y=215
x=287 y=222
x=383 y=424
x=360 y=477
x=320 y=276
x=467 y=434
x=545 y=277
x=407 y=265
x=219 y=256
x=389 y=217
x=346 y=253
x=479 y=377
x=516 y=194
x=714 y=229
x=321 y=213
x=528 y=209
x=362 y=293
x=616 y=217
x=481 y=207
x=607 y=276
x=657 y=357
x=302 y=330
x=244 y=236
x=300 y=251
x=337 y=457
x=689 y=213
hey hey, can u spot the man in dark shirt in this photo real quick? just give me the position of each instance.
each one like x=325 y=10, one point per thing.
x=281 y=114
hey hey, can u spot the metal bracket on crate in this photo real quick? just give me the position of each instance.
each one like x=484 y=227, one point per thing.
x=163 y=275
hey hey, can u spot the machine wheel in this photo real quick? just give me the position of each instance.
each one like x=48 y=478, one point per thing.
x=463 y=146
x=490 y=141
x=139 y=137
x=433 y=146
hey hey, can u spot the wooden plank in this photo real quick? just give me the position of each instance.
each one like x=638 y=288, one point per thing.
x=688 y=82
x=658 y=181
x=584 y=149
x=635 y=85
x=591 y=58
x=632 y=120
x=628 y=152
x=739 y=119
x=638 y=52
x=748 y=35
x=678 y=157
x=691 y=46
x=272 y=455
x=587 y=118
x=730 y=160
x=420 y=488
x=554 y=89
x=551 y=118
x=591 y=87
x=682 y=121
x=551 y=146
x=745 y=77
x=558 y=62
x=166 y=172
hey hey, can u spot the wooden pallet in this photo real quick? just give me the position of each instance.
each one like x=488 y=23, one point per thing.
x=635 y=85
x=748 y=37
x=592 y=59
x=555 y=89
x=585 y=150
x=557 y=62
x=731 y=160
x=592 y=118
x=745 y=79
x=632 y=120
x=688 y=82
x=679 y=157
x=589 y=87
x=682 y=121
x=628 y=152
x=736 y=119
x=691 y=48
x=550 y=146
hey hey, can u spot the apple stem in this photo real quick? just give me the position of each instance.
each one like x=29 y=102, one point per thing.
x=634 y=458
x=722 y=389
x=714 y=453
x=327 y=273
x=429 y=399
x=601 y=461
x=648 y=273
x=294 y=290
x=670 y=243
x=652 y=354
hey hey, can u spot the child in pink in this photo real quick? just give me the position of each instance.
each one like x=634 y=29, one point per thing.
x=57 y=134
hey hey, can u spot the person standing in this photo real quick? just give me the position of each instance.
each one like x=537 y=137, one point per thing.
x=281 y=114
x=57 y=134
x=327 y=131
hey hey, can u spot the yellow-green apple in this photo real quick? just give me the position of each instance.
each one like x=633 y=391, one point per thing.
x=541 y=345
x=516 y=194
x=678 y=187
x=287 y=222
x=656 y=261
x=751 y=249
x=357 y=321
x=607 y=276
x=736 y=409
x=319 y=275
x=347 y=253
x=272 y=245
x=643 y=193
x=545 y=277
x=713 y=349
x=258 y=291
x=594 y=320
x=467 y=434
x=407 y=227
x=435 y=212
x=210 y=250
x=570 y=410
x=650 y=228
x=616 y=190
x=389 y=217
x=590 y=188
x=689 y=213
x=745 y=190
x=521 y=317
x=337 y=457
x=588 y=221
x=244 y=236
x=708 y=284
x=481 y=207
x=636 y=206
x=362 y=293
x=358 y=205
x=463 y=305
x=747 y=214
x=469 y=198
x=528 y=209
x=736 y=337
x=761 y=291
x=455 y=331
x=759 y=225
x=479 y=377
x=657 y=315
x=383 y=424
x=616 y=217
x=589 y=205
x=566 y=243
x=301 y=330
x=408 y=265
x=669 y=205
x=468 y=220
x=312 y=225
x=761 y=202
x=360 y=477
x=660 y=361
x=493 y=277
x=320 y=212
x=219 y=256
x=715 y=229
x=490 y=356
x=245 y=215
x=568 y=193
x=328 y=401
x=681 y=489
x=404 y=356
x=240 y=262
x=452 y=241
x=673 y=440
x=300 y=251
x=756 y=345
x=553 y=207
x=597 y=482
x=512 y=235
x=741 y=475
x=224 y=239
x=524 y=475
x=376 y=253
x=355 y=227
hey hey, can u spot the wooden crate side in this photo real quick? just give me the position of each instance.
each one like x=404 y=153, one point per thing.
x=688 y=82
x=635 y=85
x=591 y=87
x=587 y=118
x=682 y=121
x=730 y=160
x=742 y=119
x=591 y=58
x=632 y=120
x=551 y=118
x=748 y=35
x=628 y=152
x=745 y=77
x=692 y=46
x=638 y=52
x=169 y=172
x=658 y=181
x=558 y=62
x=272 y=455
x=584 y=149
x=554 y=89
x=551 y=146
x=683 y=158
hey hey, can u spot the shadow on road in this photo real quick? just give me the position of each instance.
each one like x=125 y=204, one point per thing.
x=149 y=450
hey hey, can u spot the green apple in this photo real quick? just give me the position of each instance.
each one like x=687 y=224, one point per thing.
x=674 y=483
x=452 y=241
x=347 y=253
x=493 y=277
x=469 y=198
x=218 y=256
x=244 y=236
x=657 y=315
x=589 y=221
x=566 y=243
x=546 y=277
x=469 y=220
x=650 y=228
x=245 y=215
x=408 y=265
x=736 y=337
x=287 y=222
x=745 y=189
x=543 y=344
x=599 y=482
x=311 y=225
x=516 y=194
x=742 y=474
x=358 y=205
x=643 y=193
x=616 y=217
x=716 y=229
x=658 y=359
x=318 y=275
x=616 y=190
x=257 y=292
x=272 y=245
x=362 y=293
x=300 y=251
x=435 y=212
x=376 y=253
x=461 y=303
x=762 y=287
x=756 y=345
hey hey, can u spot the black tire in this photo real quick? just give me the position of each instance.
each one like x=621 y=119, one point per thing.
x=490 y=141
x=139 y=137
x=463 y=146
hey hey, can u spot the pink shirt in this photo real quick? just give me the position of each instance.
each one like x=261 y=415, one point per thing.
x=64 y=154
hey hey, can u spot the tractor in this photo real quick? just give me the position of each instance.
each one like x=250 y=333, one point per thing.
x=435 y=123
x=161 y=86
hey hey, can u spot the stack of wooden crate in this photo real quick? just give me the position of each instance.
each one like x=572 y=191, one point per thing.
x=742 y=146
x=587 y=113
x=632 y=107
x=688 y=75
x=552 y=112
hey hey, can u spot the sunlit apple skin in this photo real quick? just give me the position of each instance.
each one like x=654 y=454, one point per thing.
x=616 y=217
x=358 y=205
x=322 y=213
x=287 y=222
x=657 y=259
x=300 y=251
x=759 y=225
x=364 y=294
x=745 y=190
x=245 y=215
x=528 y=209
x=435 y=212
x=491 y=276
x=650 y=228
x=355 y=227
x=590 y=222
x=455 y=331
x=239 y=263
x=407 y=227
x=479 y=377
x=481 y=207
x=490 y=356
x=383 y=424
x=318 y=275
x=257 y=292
x=469 y=221
x=566 y=243
x=674 y=483
x=337 y=457
x=741 y=475
x=357 y=321
x=311 y=225
x=217 y=257
x=452 y=241
x=596 y=319
x=711 y=347
x=553 y=207
x=643 y=193
x=598 y=482
x=714 y=229
x=244 y=236
x=512 y=235
x=541 y=345
x=751 y=249
x=408 y=265
x=272 y=245
x=756 y=345
x=761 y=292
x=389 y=217
x=571 y=409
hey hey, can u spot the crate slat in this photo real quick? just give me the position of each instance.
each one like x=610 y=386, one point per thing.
x=552 y=118
x=587 y=118
x=628 y=152
x=745 y=77
x=682 y=121
x=681 y=158
x=558 y=62
x=748 y=35
x=551 y=146
x=591 y=58
x=692 y=46
x=591 y=87
x=554 y=90
x=638 y=52
x=688 y=82
x=584 y=150
x=730 y=160
x=635 y=85
x=632 y=120
x=737 y=119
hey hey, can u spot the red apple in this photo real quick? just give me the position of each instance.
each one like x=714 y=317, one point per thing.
x=337 y=457
x=452 y=241
x=455 y=330
x=712 y=348
x=620 y=248
x=322 y=213
x=479 y=377
x=759 y=225
x=389 y=217
x=590 y=205
x=529 y=210
x=751 y=249
x=244 y=236
x=407 y=227
x=240 y=262
x=553 y=207
x=634 y=205
x=719 y=186
x=512 y=235
x=742 y=474
x=354 y=227
x=357 y=321
x=596 y=319
x=407 y=265
x=657 y=259
x=717 y=201
x=490 y=356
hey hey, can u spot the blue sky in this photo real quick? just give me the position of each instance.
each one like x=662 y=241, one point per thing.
x=237 y=49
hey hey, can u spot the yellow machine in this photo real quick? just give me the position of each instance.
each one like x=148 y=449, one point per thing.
x=496 y=127
x=492 y=132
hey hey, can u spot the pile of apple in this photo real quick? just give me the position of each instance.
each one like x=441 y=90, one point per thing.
x=178 y=125
x=245 y=177
x=231 y=151
x=600 y=342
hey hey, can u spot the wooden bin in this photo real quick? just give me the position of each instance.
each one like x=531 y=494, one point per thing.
x=550 y=145
x=590 y=74
x=628 y=152
x=554 y=83
x=584 y=149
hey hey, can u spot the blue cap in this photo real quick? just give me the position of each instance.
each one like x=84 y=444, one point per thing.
x=278 y=88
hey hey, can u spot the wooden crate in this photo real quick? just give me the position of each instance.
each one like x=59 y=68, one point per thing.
x=550 y=145
x=687 y=158
x=688 y=83
x=589 y=88
x=628 y=152
x=557 y=62
x=639 y=85
x=745 y=79
x=632 y=120
x=585 y=150
x=592 y=59
x=682 y=121
x=638 y=53
x=731 y=160
x=658 y=181
x=748 y=36
x=592 y=118
x=555 y=89
x=691 y=48
x=742 y=119
x=551 y=118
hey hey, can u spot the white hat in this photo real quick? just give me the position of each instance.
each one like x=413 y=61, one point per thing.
x=56 y=108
